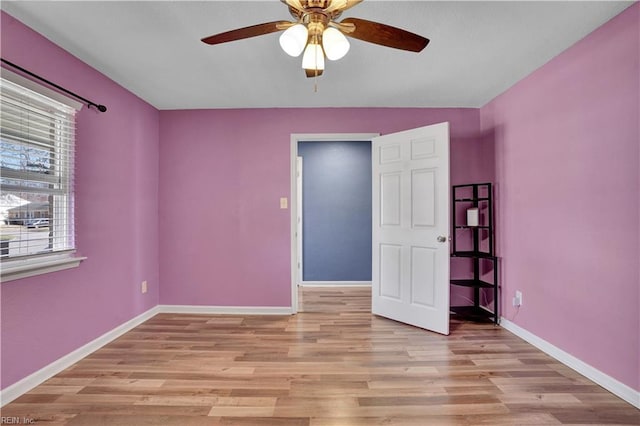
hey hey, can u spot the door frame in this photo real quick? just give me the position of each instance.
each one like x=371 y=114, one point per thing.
x=308 y=137
x=299 y=219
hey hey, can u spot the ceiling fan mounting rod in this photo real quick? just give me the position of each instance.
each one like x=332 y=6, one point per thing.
x=316 y=21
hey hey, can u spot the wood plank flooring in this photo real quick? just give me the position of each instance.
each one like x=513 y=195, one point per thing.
x=332 y=364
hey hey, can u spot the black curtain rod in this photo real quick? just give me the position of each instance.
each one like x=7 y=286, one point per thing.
x=100 y=108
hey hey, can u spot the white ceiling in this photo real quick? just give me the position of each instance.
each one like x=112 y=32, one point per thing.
x=478 y=50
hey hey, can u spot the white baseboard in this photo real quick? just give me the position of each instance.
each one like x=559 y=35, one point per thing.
x=614 y=386
x=335 y=284
x=31 y=381
x=228 y=310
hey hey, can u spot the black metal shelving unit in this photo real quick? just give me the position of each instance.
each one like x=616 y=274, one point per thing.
x=476 y=244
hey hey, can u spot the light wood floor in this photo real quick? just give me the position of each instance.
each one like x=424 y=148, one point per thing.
x=333 y=364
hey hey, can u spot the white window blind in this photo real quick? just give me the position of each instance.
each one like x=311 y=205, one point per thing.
x=37 y=136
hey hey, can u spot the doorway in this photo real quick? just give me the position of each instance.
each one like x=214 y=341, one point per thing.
x=410 y=225
x=335 y=202
x=314 y=276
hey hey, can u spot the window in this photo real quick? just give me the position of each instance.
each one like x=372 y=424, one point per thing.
x=36 y=202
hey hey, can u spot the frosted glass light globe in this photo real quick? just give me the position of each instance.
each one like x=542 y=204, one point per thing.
x=313 y=58
x=335 y=44
x=294 y=39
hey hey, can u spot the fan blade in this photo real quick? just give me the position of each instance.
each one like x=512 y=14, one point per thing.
x=385 y=35
x=246 y=32
x=341 y=5
x=313 y=73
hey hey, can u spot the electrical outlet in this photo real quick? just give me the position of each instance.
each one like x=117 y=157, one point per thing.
x=143 y=287
x=517 y=300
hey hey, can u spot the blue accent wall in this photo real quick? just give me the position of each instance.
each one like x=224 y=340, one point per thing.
x=336 y=210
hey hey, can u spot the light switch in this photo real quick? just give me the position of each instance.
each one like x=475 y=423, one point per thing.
x=283 y=203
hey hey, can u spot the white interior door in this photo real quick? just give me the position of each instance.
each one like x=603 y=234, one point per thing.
x=410 y=277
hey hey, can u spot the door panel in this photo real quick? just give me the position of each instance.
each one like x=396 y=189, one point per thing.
x=423 y=203
x=390 y=271
x=423 y=261
x=390 y=153
x=390 y=199
x=423 y=148
x=411 y=226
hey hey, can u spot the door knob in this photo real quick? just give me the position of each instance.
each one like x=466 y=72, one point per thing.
x=442 y=238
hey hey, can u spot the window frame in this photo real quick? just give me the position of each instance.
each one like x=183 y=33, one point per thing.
x=57 y=260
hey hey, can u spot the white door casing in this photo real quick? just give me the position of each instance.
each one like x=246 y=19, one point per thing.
x=299 y=218
x=411 y=198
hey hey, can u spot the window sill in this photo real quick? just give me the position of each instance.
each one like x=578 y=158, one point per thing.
x=15 y=270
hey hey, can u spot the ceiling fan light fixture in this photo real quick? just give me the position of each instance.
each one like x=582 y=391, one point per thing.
x=313 y=58
x=316 y=32
x=294 y=39
x=335 y=43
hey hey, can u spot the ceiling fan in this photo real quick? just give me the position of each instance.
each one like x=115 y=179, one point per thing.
x=316 y=32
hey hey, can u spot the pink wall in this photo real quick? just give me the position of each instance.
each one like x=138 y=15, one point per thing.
x=48 y=316
x=568 y=189
x=224 y=240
